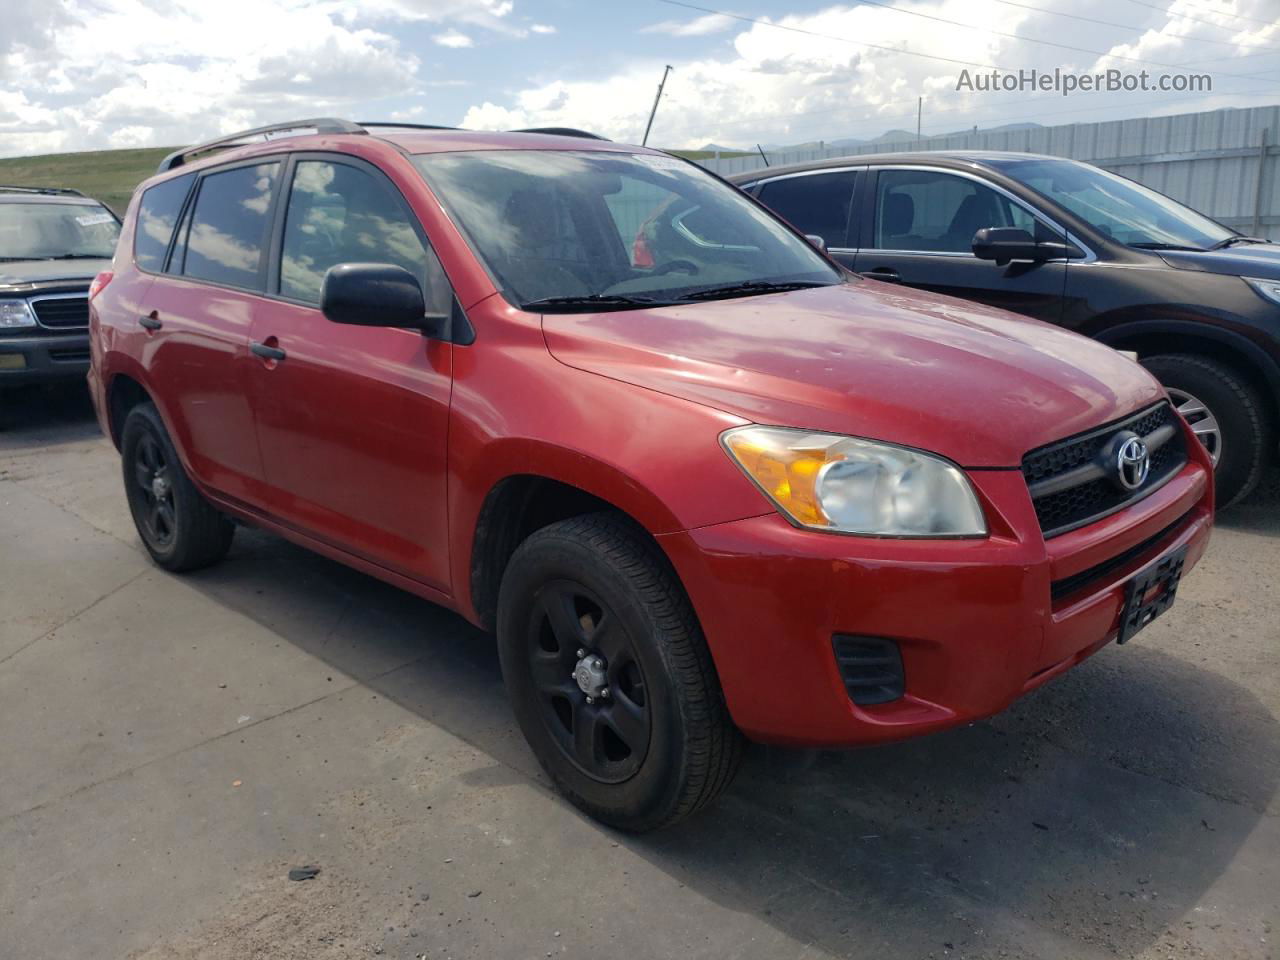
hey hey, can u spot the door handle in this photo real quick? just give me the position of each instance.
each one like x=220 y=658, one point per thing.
x=266 y=352
x=150 y=322
x=887 y=274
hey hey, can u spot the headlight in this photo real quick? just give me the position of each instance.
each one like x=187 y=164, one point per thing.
x=1266 y=289
x=849 y=485
x=14 y=314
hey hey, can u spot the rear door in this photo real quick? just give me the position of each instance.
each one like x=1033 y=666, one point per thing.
x=198 y=315
x=818 y=203
x=353 y=421
x=918 y=223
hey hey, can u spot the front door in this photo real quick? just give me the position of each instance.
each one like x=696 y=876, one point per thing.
x=917 y=230
x=352 y=421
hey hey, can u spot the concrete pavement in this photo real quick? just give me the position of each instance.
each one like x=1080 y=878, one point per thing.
x=174 y=745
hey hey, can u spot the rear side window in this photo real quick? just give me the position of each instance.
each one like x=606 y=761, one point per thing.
x=816 y=203
x=340 y=214
x=226 y=234
x=158 y=214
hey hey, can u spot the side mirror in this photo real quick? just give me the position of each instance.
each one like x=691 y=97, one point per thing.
x=817 y=241
x=1003 y=244
x=377 y=295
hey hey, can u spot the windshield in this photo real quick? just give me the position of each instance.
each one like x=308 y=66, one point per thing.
x=614 y=230
x=1121 y=209
x=44 y=231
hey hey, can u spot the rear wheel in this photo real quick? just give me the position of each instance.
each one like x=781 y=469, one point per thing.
x=179 y=527
x=610 y=677
x=1226 y=412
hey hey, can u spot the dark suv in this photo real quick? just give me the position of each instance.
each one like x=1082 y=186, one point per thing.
x=1071 y=244
x=52 y=243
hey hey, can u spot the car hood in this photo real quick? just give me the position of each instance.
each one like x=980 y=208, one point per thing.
x=24 y=272
x=1260 y=260
x=978 y=385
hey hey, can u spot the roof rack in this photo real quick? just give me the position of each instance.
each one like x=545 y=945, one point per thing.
x=317 y=125
x=46 y=191
x=403 y=126
x=562 y=132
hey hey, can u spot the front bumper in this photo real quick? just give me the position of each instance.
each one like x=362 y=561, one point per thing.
x=42 y=357
x=978 y=622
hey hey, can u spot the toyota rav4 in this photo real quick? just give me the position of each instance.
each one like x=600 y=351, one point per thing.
x=704 y=485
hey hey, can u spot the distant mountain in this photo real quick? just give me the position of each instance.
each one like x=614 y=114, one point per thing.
x=890 y=136
x=713 y=147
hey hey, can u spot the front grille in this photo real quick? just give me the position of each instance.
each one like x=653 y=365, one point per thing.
x=62 y=312
x=871 y=668
x=1073 y=481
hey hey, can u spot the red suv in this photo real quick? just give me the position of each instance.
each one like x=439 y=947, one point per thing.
x=701 y=482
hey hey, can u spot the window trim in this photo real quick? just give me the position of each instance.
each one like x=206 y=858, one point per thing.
x=873 y=199
x=853 y=223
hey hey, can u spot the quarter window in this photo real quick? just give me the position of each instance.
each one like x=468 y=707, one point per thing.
x=816 y=203
x=340 y=214
x=932 y=211
x=228 y=227
x=157 y=216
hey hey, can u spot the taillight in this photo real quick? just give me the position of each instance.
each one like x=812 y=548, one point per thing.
x=100 y=283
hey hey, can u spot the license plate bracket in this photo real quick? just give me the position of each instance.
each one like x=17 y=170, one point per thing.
x=1150 y=593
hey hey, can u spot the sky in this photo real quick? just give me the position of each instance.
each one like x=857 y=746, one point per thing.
x=99 y=74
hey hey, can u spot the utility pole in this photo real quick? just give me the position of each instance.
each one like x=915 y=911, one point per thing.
x=649 y=126
x=919 y=113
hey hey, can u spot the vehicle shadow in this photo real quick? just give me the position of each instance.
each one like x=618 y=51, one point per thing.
x=1260 y=511
x=42 y=416
x=1086 y=821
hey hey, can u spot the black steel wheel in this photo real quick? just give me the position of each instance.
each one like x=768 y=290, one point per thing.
x=609 y=674
x=179 y=527
x=590 y=683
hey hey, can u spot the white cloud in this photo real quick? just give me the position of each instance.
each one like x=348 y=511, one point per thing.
x=816 y=76
x=543 y=28
x=697 y=27
x=85 y=74
x=453 y=38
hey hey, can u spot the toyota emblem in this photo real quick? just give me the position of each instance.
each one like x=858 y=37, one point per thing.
x=1133 y=463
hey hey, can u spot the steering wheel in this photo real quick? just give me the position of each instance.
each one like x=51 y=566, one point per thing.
x=686 y=266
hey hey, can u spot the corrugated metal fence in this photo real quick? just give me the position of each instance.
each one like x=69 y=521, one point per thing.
x=1222 y=163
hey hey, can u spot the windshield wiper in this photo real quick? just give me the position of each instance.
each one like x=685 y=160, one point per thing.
x=593 y=301
x=1167 y=246
x=77 y=256
x=1234 y=239
x=750 y=288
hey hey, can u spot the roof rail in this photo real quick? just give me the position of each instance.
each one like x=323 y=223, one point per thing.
x=561 y=132
x=47 y=191
x=403 y=126
x=318 y=125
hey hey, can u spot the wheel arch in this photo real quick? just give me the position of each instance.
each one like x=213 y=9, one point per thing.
x=516 y=506
x=1150 y=337
x=124 y=392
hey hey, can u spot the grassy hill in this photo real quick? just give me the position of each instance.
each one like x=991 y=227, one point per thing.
x=106 y=175
x=111 y=175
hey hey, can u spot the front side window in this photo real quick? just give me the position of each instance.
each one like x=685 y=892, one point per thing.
x=927 y=210
x=1125 y=211
x=227 y=230
x=550 y=225
x=36 y=230
x=815 y=203
x=338 y=213
x=158 y=213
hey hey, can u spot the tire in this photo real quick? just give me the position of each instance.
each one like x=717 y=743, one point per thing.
x=180 y=528
x=1244 y=438
x=611 y=593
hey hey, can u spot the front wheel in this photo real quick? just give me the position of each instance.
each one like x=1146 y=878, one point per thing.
x=610 y=677
x=1226 y=412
